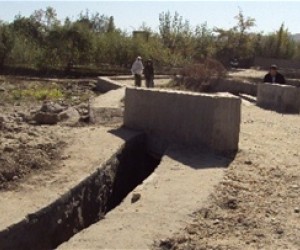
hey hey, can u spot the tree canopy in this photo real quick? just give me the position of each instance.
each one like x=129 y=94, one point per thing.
x=43 y=41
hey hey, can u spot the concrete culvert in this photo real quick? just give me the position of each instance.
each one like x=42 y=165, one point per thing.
x=86 y=203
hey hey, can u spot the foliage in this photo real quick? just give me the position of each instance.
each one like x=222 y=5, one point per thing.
x=204 y=42
x=5 y=43
x=37 y=94
x=42 y=42
x=237 y=41
x=199 y=76
x=279 y=45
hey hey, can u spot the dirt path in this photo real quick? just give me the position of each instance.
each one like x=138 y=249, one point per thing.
x=256 y=206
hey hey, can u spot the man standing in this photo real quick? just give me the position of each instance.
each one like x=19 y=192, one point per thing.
x=274 y=76
x=149 y=74
x=137 y=71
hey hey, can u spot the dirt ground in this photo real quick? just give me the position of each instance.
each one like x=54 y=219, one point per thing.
x=256 y=206
x=27 y=147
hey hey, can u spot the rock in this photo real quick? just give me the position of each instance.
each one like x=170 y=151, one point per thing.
x=135 y=197
x=65 y=157
x=51 y=107
x=232 y=203
x=19 y=119
x=9 y=136
x=92 y=86
x=85 y=118
x=166 y=243
x=248 y=162
x=181 y=239
x=22 y=115
x=297 y=210
x=279 y=231
x=216 y=222
x=3 y=120
x=23 y=140
x=46 y=118
x=69 y=117
x=8 y=149
x=82 y=106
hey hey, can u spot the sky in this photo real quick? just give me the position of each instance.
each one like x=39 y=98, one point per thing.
x=130 y=15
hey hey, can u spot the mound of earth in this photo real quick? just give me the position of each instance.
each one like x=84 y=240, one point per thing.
x=27 y=108
x=25 y=148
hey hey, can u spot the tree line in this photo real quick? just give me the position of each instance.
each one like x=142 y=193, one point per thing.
x=42 y=41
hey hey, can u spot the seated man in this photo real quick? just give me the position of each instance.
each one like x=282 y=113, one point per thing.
x=274 y=76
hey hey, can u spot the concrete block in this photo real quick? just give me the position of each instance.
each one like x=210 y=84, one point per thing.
x=281 y=98
x=105 y=84
x=188 y=118
x=235 y=87
x=131 y=77
x=108 y=108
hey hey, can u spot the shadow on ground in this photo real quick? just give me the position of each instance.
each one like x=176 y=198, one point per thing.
x=194 y=157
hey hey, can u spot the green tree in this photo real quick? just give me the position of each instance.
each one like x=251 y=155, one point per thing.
x=111 y=25
x=46 y=18
x=177 y=36
x=278 y=44
x=236 y=41
x=6 y=42
x=204 y=42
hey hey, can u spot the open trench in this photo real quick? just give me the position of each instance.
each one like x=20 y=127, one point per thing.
x=86 y=203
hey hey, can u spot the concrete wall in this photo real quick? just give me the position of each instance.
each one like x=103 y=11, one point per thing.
x=131 y=77
x=281 y=98
x=234 y=86
x=104 y=84
x=107 y=108
x=192 y=119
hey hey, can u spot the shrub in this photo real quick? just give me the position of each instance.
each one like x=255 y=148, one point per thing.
x=199 y=76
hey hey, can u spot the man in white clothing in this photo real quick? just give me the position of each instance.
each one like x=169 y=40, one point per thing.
x=137 y=70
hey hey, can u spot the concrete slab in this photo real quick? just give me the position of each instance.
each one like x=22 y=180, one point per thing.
x=105 y=84
x=131 y=77
x=180 y=185
x=108 y=108
x=157 y=82
x=189 y=118
x=281 y=98
x=234 y=86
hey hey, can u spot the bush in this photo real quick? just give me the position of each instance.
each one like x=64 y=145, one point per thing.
x=199 y=76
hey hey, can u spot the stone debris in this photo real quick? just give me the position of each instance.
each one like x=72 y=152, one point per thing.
x=46 y=118
x=135 y=197
x=51 y=107
x=52 y=113
x=69 y=116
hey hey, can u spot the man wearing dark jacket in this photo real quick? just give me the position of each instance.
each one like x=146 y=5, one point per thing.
x=274 y=76
x=149 y=74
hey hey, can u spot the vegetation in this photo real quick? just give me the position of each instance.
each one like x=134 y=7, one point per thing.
x=38 y=94
x=199 y=76
x=43 y=42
